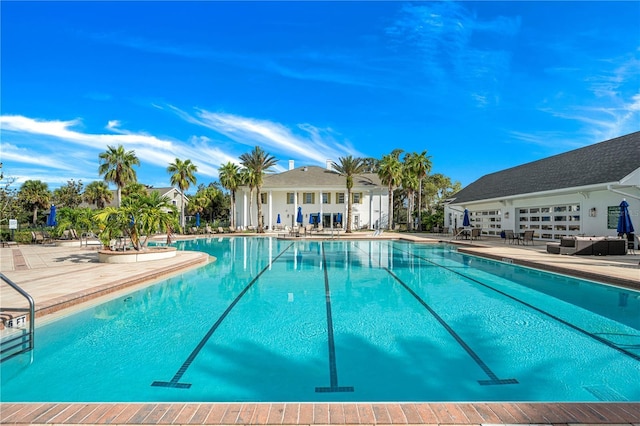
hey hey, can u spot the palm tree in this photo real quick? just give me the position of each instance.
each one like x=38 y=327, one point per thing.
x=349 y=167
x=116 y=165
x=230 y=179
x=34 y=194
x=182 y=177
x=97 y=193
x=420 y=164
x=390 y=173
x=410 y=184
x=134 y=188
x=258 y=162
x=139 y=217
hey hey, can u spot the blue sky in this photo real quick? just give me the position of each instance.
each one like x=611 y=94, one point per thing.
x=481 y=86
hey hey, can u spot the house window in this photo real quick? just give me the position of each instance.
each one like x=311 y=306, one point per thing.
x=553 y=222
x=356 y=197
x=326 y=198
x=308 y=198
x=263 y=198
x=488 y=221
x=339 y=197
x=290 y=197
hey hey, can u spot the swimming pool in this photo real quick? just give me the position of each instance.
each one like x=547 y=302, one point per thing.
x=276 y=320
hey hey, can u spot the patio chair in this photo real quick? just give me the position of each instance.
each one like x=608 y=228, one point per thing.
x=631 y=243
x=36 y=238
x=220 y=230
x=510 y=236
x=527 y=236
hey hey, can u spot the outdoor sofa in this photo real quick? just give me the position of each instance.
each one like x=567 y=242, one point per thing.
x=589 y=246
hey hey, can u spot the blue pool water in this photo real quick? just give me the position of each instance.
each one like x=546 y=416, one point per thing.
x=276 y=320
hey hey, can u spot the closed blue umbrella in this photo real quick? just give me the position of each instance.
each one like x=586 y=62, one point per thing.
x=312 y=219
x=198 y=219
x=624 y=220
x=299 y=218
x=278 y=220
x=465 y=219
x=51 y=220
x=339 y=218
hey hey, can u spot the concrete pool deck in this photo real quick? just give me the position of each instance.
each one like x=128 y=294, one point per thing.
x=61 y=279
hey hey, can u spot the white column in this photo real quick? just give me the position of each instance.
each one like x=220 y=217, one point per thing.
x=320 y=200
x=244 y=208
x=346 y=211
x=370 y=209
x=295 y=207
x=270 y=201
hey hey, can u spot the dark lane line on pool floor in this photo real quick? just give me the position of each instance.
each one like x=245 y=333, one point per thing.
x=535 y=308
x=333 y=370
x=175 y=381
x=494 y=379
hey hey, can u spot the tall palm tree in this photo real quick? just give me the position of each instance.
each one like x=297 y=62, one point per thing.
x=116 y=165
x=258 y=163
x=410 y=184
x=390 y=173
x=349 y=167
x=34 y=195
x=97 y=193
x=230 y=179
x=420 y=164
x=183 y=176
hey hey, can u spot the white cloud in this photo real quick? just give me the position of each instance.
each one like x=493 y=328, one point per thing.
x=309 y=143
x=62 y=130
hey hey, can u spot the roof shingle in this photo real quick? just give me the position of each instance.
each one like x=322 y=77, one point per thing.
x=603 y=162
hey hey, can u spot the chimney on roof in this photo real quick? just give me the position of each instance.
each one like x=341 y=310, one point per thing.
x=291 y=167
x=329 y=163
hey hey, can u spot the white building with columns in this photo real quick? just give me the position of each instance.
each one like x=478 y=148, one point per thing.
x=321 y=193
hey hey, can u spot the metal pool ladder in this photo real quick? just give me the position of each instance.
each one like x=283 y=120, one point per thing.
x=15 y=338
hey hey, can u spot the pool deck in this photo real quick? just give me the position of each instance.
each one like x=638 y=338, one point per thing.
x=63 y=278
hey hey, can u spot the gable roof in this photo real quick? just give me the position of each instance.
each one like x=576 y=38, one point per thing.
x=317 y=177
x=604 y=162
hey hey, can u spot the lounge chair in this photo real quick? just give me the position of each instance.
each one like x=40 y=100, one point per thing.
x=308 y=229
x=220 y=230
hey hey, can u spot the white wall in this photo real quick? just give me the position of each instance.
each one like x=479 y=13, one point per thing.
x=589 y=224
x=371 y=211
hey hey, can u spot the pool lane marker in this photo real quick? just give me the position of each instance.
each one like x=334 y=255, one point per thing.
x=535 y=308
x=175 y=381
x=333 y=370
x=493 y=378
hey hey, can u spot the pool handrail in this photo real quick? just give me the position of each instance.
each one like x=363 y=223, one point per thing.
x=18 y=337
